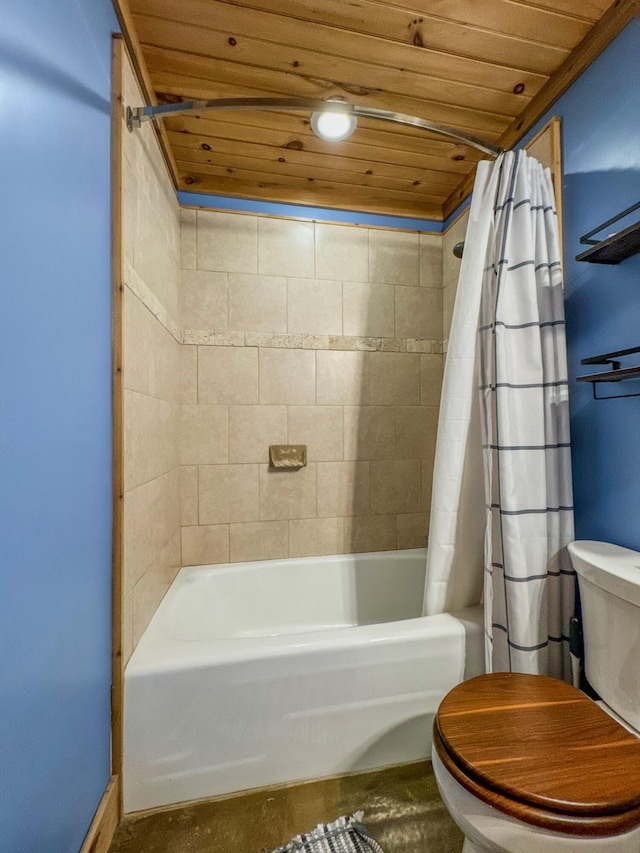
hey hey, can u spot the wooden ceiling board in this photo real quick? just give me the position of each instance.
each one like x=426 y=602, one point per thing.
x=292 y=133
x=297 y=176
x=278 y=77
x=370 y=144
x=319 y=194
x=429 y=184
x=486 y=68
x=485 y=124
x=232 y=154
x=216 y=35
x=394 y=35
x=431 y=17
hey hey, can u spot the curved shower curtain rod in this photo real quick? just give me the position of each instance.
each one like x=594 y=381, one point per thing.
x=136 y=115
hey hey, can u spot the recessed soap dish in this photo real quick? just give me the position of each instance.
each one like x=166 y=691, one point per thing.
x=287 y=456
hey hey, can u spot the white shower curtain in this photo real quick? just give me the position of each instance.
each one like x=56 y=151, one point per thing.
x=456 y=528
x=520 y=365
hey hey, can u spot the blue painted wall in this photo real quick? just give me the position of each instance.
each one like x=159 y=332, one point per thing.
x=300 y=211
x=601 y=158
x=55 y=420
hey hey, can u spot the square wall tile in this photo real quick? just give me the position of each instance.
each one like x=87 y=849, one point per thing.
x=343 y=378
x=368 y=309
x=419 y=312
x=252 y=429
x=320 y=428
x=314 y=306
x=151 y=429
x=263 y=540
x=343 y=489
x=370 y=533
x=188 y=494
x=431 y=260
x=227 y=242
x=396 y=486
x=204 y=435
x=208 y=543
x=286 y=247
x=412 y=529
x=188 y=375
x=228 y=493
x=156 y=265
x=129 y=208
x=287 y=377
x=146 y=596
x=151 y=353
x=427 y=483
x=228 y=375
x=342 y=252
x=369 y=432
x=313 y=537
x=287 y=494
x=395 y=378
x=394 y=257
x=188 y=243
x=151 y=519
x=448 y=302
x=416 y=429
x=127 y=627
x=431 y=371
x=204 y=300
x=257 y=303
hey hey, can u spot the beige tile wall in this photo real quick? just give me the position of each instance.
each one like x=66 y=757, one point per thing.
x=306 y=333
x=152 y=336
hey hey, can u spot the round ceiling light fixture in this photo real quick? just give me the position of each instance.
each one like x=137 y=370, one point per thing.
x=333 y=125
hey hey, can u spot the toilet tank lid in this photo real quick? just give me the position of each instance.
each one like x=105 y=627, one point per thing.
x=611 y=567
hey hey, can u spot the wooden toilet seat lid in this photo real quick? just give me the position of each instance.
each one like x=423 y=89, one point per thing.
x=541 y=742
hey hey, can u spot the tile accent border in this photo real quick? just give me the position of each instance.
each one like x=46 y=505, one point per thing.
x=344 y=343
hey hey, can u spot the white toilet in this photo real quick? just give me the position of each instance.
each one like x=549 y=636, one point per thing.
x=529 y=764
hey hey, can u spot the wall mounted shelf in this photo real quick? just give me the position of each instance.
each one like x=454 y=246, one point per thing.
x=615 y=248
x=616 y=374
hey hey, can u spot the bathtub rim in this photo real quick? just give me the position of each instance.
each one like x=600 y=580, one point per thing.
x=159 y=650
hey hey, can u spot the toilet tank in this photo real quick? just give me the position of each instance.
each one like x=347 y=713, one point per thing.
x=609 y=581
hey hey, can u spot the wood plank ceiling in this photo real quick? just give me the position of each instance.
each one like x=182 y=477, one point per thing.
x=487 y=67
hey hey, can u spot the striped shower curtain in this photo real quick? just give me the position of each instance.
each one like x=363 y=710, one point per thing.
x=521 y=356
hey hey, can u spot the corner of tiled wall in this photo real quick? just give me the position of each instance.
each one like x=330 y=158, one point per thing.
x=152 y=336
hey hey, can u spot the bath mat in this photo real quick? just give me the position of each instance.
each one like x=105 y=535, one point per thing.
x=344 y=835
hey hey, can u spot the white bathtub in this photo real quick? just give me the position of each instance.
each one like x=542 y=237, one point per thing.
x=253 y=674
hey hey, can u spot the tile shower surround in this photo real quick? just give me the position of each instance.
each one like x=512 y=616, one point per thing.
x=306 y=333
x=244 y=331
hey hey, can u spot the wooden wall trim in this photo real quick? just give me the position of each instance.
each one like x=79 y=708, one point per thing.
x=546 y=147
x=117 y=289
x=144 y=79
x=598 y=38
x=105 y=821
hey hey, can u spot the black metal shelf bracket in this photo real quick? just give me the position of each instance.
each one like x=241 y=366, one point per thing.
x=597 y=396
x=616 y=374
x=585 y=239
x=617 y=246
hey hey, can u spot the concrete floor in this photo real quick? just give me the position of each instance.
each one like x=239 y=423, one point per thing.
x=401 y=805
